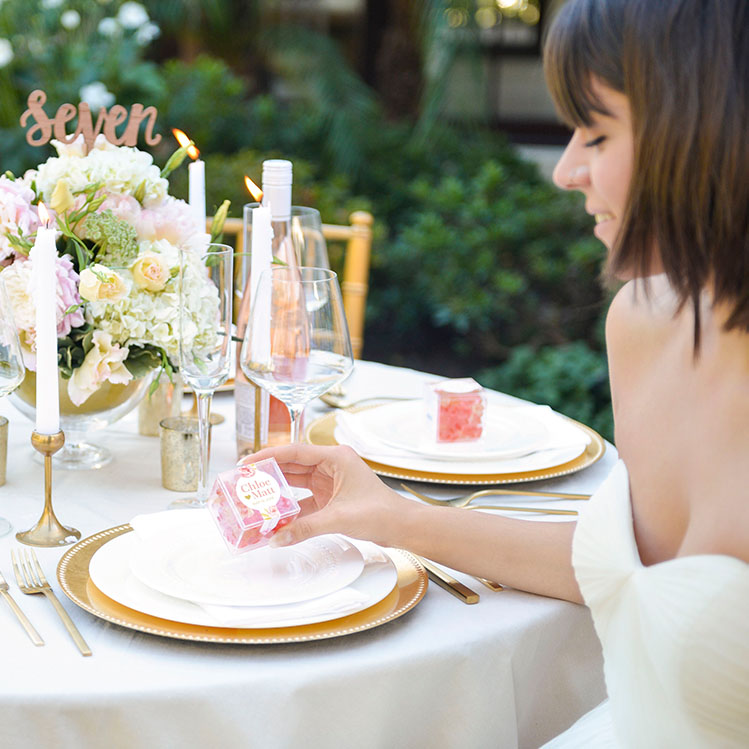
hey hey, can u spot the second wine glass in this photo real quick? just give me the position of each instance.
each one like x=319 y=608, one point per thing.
x=205 y=328
x=296 y=345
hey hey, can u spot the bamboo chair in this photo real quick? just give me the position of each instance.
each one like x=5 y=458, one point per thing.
x=355 y=276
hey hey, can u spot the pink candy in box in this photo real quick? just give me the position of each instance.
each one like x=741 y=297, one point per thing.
x=251 y=503
x=455 y=410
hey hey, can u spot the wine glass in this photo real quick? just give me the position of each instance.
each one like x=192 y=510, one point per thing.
x=306 y=235
x=296 y=345
x=205 y=328
x=12 y=370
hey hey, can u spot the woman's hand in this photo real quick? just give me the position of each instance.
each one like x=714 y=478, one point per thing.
x=347 y=497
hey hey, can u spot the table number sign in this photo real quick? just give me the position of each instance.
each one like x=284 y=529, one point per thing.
x=42 y=128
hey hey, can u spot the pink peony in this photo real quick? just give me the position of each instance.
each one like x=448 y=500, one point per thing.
x=17 y=215
x=124 y=207
x=171 y=219
x=67 y=296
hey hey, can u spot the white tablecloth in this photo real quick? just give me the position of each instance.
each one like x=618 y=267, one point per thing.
x=513 y=670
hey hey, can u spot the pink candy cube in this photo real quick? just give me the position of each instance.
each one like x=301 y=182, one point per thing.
x=455 y=410
x=250 y=503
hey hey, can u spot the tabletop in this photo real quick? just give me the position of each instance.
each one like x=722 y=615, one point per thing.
x=513 y=670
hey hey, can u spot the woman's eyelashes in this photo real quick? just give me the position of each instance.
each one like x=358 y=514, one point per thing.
x=595 y=141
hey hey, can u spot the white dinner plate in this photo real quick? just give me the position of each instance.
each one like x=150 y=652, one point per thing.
x=508 y=432
x=195 y=565
x=110 y=572
x=565 y=441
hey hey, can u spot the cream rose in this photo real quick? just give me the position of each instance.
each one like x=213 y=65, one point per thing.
x=99 y=283
x=150 y=272
x=103 y=363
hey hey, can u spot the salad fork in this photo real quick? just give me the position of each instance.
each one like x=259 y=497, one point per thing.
x=27 y=625
x=466 y=499
x=31 y=579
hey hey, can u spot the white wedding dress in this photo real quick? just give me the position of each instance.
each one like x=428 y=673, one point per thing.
x=675 y=637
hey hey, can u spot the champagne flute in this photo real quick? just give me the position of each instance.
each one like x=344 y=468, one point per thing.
x=205 y=328
x=12 y=370
x=296 y=344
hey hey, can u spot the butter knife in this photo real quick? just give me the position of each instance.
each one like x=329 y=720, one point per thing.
x=449 y=583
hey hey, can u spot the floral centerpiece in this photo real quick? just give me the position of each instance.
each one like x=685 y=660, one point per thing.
x=119 y=241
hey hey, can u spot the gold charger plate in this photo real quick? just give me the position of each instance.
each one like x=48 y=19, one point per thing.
x=321 y=432
x=73 y=576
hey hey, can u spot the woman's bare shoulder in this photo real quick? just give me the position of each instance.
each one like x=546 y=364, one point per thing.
x=642 y=313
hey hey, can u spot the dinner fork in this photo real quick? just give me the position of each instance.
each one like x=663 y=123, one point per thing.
x=27 y=625
x=31 y=579
x=503 y=508
x=466 y=499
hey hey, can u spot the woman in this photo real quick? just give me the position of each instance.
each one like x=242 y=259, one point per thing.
x=657 y=94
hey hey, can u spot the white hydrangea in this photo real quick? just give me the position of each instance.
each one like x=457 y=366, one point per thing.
x=120 y=169
x=17 y=279
x=153 y=317
x=108 y=27
x=96 y=95
x=70 y=19
x=6 y=52
x=132 y=15
x=147 y=33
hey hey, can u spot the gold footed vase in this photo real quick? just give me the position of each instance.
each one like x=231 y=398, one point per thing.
x=108 y=404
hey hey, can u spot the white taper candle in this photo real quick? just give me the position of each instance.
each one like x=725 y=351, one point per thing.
x=261 y=258
x=196 y=192
x=43 y=256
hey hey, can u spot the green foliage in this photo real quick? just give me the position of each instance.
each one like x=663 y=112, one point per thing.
x=495 y=260
x=72 y=350
x=572 y=379
x=205 y=100
x=141 y=360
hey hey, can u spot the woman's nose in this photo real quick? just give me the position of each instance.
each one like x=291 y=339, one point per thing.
x=570 y=173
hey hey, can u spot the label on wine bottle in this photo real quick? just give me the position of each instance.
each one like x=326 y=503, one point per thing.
x=244 y=403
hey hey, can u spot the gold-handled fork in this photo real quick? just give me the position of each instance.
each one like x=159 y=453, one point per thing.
x=27 y=625
x=466 y=499
x=503 y=508
x=31 y=579
x=340 y=401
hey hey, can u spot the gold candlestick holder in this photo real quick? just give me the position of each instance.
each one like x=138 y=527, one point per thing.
x=48 y=531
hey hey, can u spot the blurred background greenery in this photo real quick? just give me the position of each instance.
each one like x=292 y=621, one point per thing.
x=480 y=266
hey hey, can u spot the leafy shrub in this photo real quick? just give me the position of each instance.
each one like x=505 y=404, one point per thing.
x=495 y=262
x=206 y=100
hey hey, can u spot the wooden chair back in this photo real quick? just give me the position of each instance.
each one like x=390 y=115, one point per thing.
x=356 y=259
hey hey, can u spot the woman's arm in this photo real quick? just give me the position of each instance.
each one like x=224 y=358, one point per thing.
x=349 y=498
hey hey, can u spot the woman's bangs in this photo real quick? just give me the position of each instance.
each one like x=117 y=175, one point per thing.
x=573 y=60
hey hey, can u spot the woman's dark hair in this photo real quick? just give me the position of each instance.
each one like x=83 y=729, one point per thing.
x=684 y=66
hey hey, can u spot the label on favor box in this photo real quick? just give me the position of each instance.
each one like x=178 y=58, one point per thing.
x=260 y=491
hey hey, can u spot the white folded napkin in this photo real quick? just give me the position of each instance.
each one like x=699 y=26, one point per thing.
x=198 y=524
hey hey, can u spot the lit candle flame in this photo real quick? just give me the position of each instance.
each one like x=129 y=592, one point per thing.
x=185 y=142
x=43 y=213
x=254 y=190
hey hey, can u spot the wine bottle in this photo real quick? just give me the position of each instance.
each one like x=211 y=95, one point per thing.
x=270 y=425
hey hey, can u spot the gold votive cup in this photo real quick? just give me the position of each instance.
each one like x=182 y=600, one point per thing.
x=180 y=453
x=3 y=448
x=164 y=402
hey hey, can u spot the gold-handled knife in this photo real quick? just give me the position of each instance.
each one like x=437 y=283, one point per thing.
x=449 y=583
